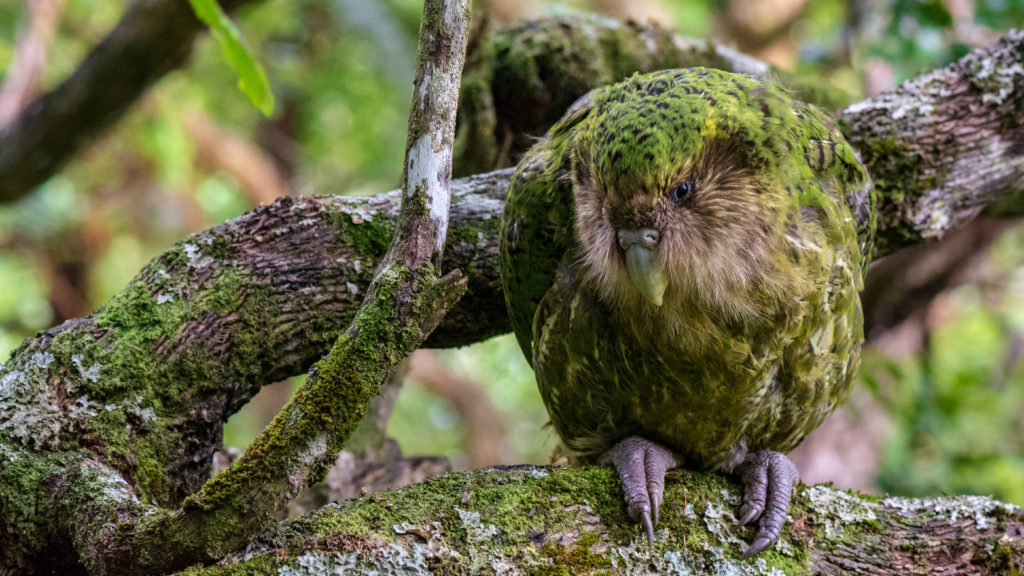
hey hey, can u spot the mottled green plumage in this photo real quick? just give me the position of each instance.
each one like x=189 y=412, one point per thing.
x=759 y=334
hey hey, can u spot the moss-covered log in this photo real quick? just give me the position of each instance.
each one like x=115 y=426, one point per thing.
x=547 y=521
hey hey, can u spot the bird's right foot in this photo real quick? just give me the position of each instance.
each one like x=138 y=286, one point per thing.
x=641 y=465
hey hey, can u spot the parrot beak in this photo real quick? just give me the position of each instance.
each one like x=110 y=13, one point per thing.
x=642 y=264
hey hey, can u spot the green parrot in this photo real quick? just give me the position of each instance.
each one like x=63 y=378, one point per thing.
x=681 y=257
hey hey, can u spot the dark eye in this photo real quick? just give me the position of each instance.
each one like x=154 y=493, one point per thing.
x=682 y=192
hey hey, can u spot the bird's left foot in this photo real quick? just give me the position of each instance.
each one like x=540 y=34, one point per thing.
x=642 y=465
x=768 y=480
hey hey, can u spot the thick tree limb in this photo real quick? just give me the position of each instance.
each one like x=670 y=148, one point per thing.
x=120 y=534
x=526 y=520
x=153 y=38
x=943 y=146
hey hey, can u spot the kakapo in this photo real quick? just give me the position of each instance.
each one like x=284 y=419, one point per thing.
x=681 y=257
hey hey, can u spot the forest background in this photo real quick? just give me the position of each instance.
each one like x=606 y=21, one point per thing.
x=939 y=408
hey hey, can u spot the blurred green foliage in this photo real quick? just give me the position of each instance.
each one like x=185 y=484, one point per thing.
x=252 y=80
x=341 y=73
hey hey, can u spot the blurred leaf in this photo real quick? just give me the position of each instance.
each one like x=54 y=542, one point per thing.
x=252 y=80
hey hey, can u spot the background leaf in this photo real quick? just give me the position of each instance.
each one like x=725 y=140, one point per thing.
x=252 y=80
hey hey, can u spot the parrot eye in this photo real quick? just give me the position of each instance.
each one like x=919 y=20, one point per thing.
x=682 y=192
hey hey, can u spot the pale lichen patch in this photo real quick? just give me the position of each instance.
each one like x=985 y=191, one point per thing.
x=838 y=509
x=981 y=509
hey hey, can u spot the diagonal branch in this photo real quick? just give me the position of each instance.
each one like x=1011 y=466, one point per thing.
x=116 y=415
x=404 y=302
x=153 y=38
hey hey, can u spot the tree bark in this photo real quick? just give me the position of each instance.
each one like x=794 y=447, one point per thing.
x=945 y=145
x=537 y=520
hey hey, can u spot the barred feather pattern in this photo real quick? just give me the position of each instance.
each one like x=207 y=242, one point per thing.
x=759 y=334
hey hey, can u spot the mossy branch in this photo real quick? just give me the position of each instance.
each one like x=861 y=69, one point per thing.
x=116 y=533
x=528 y=520
x=945 y=145
x=405 y=301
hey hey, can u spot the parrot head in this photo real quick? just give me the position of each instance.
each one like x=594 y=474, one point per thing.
x=673 y=207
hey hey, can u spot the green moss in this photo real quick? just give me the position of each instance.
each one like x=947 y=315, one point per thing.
x=258 y=566
x=369 y=238
x=544 y=521
x=26 y=475
x=575 y=559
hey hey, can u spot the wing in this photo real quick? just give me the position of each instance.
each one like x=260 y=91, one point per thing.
x=831 y=230
x=840 y=173
x=537 y=224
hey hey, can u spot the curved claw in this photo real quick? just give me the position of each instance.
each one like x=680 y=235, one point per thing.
x=641 y=465
x=645 y=521
x=768 y=480
x=757 y=546
x=748 y=513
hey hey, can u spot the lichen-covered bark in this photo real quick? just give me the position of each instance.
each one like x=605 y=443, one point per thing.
x=146 y=383
x=153 y=38
x=943 y=146
x=527 y=520
x=405 y=301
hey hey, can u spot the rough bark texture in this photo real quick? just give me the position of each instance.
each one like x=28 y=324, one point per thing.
x=527 y=520
x=945 y=145
x=153 y=38
x=101 y=518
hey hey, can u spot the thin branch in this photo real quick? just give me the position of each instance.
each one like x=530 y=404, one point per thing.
x=260 y=298
x=404 y=303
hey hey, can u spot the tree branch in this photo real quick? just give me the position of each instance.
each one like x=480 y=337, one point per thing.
x=945 y=145
x=527 y=520
x=405 y=301
x=116 y=416
x=153 y=38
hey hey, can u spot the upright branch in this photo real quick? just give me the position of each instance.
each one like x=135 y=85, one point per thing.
x=404 y=303
x=107 y=423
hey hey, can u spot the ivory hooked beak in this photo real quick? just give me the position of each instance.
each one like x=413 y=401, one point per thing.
x=642 y=262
